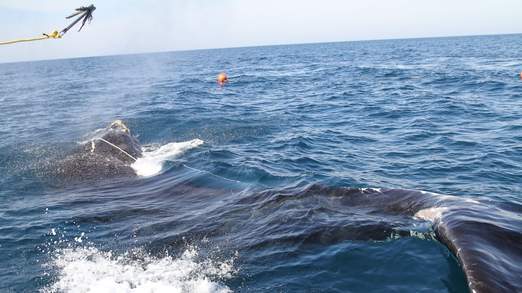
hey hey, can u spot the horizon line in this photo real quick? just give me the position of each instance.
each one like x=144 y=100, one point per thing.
x=261 y=46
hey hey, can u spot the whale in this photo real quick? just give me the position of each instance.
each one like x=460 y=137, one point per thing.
x=108 y=155
x=484 y=237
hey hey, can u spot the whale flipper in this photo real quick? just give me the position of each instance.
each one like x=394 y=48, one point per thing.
x=485 y=238
x=487 y=242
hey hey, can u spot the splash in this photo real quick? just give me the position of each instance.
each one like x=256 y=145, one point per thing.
x=152 y=161
x=91 y=270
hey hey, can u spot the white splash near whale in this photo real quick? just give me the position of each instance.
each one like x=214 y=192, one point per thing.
x=153 y=159
x=91 y=270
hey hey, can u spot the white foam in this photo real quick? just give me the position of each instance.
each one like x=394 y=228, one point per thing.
x=151 y=163
x=91 y=270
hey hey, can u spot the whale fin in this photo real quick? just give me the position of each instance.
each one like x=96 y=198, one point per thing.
x=487 y=242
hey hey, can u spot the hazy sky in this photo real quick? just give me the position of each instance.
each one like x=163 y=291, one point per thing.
x=133 y=26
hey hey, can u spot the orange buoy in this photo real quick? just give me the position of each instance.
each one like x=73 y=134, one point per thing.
x=521 y=75
x=222 y=78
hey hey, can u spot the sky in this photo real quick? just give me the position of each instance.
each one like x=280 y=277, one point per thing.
x=138 y=26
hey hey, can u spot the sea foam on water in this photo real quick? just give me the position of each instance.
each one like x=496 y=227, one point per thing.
x=92 y=270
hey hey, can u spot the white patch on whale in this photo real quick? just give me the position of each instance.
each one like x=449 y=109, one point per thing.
x=443 y=203
x=151 y=163
x=430 y=214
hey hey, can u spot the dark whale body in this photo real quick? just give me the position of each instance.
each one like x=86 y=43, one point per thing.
x=107 y=156
x=486 y=239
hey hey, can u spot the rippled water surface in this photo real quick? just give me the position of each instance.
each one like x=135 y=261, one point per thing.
x=245 y=210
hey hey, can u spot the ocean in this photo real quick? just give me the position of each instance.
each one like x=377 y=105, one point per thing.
x=256 y=186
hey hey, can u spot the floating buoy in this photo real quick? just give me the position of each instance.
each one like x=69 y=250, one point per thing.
x=521 y=75
x=222 y=78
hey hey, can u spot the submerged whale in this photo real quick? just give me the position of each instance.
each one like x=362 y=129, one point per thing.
x=486 y=238
x=108 y=155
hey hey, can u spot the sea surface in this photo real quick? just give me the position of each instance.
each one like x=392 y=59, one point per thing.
x=238 y=204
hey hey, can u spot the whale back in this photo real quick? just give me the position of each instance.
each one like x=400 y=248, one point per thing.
x=85 y=166
x=486 y=238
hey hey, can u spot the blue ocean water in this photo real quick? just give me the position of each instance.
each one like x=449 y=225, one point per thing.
x=442 y=115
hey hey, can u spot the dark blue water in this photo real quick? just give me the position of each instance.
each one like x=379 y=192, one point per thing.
x=441 y=115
